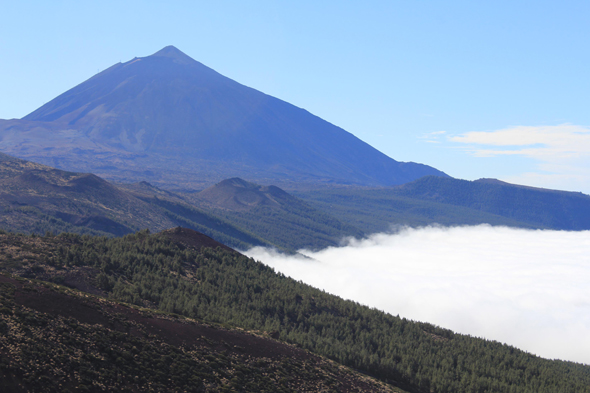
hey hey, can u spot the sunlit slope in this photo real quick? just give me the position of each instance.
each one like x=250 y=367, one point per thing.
x=171 y=273
x=53 y=336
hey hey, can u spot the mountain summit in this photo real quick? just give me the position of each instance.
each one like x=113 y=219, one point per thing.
x=174 y=121
x=175 y=54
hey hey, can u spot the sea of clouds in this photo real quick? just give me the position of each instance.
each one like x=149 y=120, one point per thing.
x=526 y=288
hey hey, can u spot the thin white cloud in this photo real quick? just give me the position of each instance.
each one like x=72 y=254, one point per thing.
x=433 y=137
x=545 y=142
x=522 y=287
x=561 y=153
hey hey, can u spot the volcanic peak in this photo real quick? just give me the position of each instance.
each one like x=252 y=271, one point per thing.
x=175 y=54
x=172 y=115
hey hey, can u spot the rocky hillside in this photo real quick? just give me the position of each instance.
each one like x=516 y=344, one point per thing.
x=174 y=272
x=56 y=339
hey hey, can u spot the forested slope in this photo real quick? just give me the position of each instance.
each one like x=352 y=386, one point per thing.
x=58 y=339
x=223 y=286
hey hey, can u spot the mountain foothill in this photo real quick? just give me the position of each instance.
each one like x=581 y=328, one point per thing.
x=125 y=202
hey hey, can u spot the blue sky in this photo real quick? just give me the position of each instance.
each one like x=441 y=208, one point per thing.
x=496 y=89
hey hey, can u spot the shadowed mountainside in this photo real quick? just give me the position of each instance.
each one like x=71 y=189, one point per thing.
x=169 y=119
x=240 y=195
x=446 y=201
x=538 y=207
x=274 y=214
x=35 y=198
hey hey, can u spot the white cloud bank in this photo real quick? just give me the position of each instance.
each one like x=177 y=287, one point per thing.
x=526 y=288
x=561 y=153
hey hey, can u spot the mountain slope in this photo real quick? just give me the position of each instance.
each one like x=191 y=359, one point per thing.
x=174 y=121
x=382 y=209
x=537 y=206
x=53 y=337
x=35 y=199
x=171 y=272
x=445 y=201
x=274 y=215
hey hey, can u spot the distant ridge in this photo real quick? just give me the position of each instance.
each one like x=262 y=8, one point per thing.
x=37 y=199
x=238 y=194
x=538 y=207
x=171 y=120
x=278 y=216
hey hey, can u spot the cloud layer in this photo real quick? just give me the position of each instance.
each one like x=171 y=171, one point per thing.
x=525 y=288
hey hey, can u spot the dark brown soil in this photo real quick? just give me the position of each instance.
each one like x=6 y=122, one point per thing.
x=176 y=331
x=179 y=332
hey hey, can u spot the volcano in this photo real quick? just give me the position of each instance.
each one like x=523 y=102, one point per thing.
x=173 y=121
